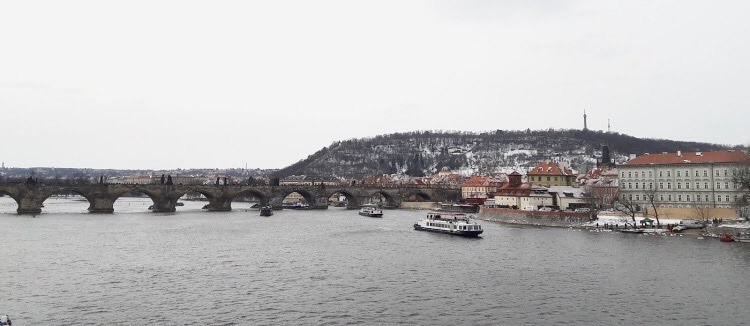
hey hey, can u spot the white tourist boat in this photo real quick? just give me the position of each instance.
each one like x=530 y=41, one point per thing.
x=371 y=210
x=450 y=223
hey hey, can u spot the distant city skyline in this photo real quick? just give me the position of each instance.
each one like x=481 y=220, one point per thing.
x=198 y=84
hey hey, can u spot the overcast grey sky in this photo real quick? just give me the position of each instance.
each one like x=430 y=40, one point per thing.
x=168 y=84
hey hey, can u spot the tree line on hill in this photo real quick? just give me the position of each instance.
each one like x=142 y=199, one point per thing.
x=420 y=153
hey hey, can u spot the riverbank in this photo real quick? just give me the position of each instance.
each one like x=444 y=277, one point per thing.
x=533 y=218
x=603 y=222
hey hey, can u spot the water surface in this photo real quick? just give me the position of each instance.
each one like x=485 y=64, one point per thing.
x=336 y=267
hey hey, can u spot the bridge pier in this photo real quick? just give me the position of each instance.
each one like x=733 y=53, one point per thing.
x=164 y=205
x=320 y=203
x=30 y=205
x=219 y=204
x=101 y=205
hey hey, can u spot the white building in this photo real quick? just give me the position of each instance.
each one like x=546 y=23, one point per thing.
x=679 y=182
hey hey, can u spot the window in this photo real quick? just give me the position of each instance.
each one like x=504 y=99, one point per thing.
x=650 y=185
x=726 y=173
x=705 y=185
x=547 y=178
x=661 y=197
x=555 y=178
x=623 y=175
x=717 y=173
x=696 y=173
x=687 y=197
x=727 y=198
x=705 y=173
x=650 y=174
x=637 y=197
x=630 y=196
x=660 y=175
x=726 y=185
x=678 y=173
x=636 y=185
x=718 y=185
x=669 y=173
x=687 y=185
x=697 y=185
x=661 y=185
x=686 y=173
x=630 y=186
x=643 y=174
x=669 y=185
x=679 y=185
x=718 y=198
x=630 y=175
x=669 y=197
x=706 y=197
x=679 y=197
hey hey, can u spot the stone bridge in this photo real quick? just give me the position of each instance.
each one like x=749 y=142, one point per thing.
x=102 y=196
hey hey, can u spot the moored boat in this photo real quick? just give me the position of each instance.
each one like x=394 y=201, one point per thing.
x=297 y=205
x=726 y=238
x=450 y=223
x=266 y=211
x=371 y=210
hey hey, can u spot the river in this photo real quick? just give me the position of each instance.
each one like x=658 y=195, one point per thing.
x=335 y=267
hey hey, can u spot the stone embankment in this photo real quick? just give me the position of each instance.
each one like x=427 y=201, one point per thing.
x=535 y=218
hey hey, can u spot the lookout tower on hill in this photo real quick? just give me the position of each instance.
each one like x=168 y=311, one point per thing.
x=585 y=128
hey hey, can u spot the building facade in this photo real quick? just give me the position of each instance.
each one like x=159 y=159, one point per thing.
x=521 y=195
x=477 y=189
x=549 y=174
x=679 y=184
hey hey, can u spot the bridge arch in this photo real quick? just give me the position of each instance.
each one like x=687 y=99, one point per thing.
x=389 y=199
x=135 y=190
x=13 y=196
x=69 y=189
x=307 y=195
x=262 y=198
x=416 y=195
x=353 y=201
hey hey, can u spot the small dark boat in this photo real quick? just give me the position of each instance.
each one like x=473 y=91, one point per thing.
x=266 y=211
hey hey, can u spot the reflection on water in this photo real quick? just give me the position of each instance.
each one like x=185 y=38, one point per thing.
x=334 y=266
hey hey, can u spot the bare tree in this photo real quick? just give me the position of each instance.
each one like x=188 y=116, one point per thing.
x=650 y=196
x=741 y=178
x=598 y=197
x=627 y=206
x=702 y=212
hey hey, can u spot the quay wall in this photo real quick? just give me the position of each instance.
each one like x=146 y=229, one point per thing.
x=419 y=205
x=537 y=218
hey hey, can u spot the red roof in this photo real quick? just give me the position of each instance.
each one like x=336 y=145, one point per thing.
x=730 y=156
x=549 y=168
x=477 y=181
x=523 y=189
